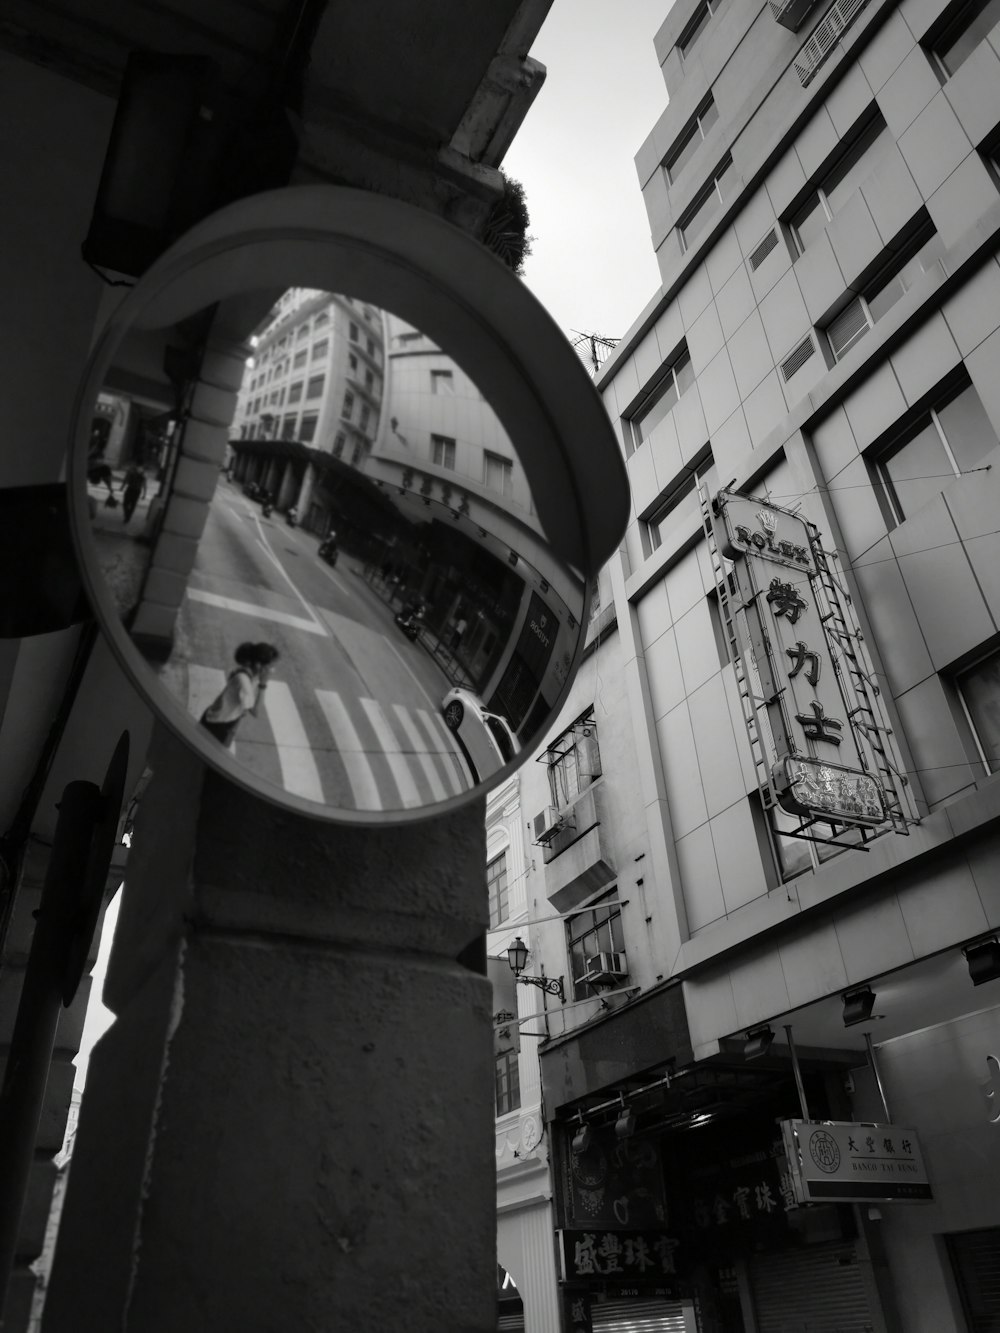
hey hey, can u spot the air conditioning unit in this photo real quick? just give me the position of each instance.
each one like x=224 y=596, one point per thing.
x=605 y=969
x=792 y=14
x=548 y=824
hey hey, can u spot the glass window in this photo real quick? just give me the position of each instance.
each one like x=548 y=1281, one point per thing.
x=371 y=347
x=597 y=930
x=917 y=470
x=314 y=389
x=300 y=359
x=708 y=203
x=886 y=291
x=295 y=392
x=348 y=406
x=302 y=332
x=979 y=688
x=338 y=444
x=508 y=1084
x=320 y=349
x=840 y=183
x=288 y=428
x=443 y=451
x=661 y=399
x=964 y=31
x=658 y=523
x=352 y=361
x=696 y=27
x=574 y=761
x=307 y=428
x=322 y=318
x=690 y=140
x=443 y=382
x=498 y=473
x=356 y=455
x=352 y=332
x=366 y=414
x=496 y=887
x=967 y=429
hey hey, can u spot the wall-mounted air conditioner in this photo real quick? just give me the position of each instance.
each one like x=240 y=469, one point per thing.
x=606 y=969
x=791 y=14
x=548 y=824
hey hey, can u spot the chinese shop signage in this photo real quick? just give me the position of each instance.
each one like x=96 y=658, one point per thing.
x=613 y=1184
x=636 y=1258
x=577 y=1306
x=818 y=770
x=834 y=1161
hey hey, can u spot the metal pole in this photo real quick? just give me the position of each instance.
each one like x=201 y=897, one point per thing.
x=878 y=1077
x=803 y=1107
x=33 y=1039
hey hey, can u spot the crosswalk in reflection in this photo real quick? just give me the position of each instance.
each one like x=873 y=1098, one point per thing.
x=342 y=750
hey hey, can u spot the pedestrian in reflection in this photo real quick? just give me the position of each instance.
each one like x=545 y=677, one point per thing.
x=133 y=487
x=459 y=628
x=242 y=692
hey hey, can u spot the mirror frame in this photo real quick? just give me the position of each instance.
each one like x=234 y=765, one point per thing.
x=444 y=283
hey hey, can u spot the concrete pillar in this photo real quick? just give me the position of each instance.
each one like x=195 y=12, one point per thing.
x=290 y=1124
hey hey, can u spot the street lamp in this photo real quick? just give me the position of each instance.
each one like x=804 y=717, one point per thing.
x=517 y=957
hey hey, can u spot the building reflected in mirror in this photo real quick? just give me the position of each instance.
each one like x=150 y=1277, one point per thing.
x=314 y=474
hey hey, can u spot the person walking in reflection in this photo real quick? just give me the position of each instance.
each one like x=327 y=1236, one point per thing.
x=242 y=692
x=133 y=487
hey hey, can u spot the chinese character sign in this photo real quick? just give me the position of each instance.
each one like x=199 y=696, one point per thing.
x=841 y=1162
x=577 y=1306
x=817 y=761
x=622 y=1256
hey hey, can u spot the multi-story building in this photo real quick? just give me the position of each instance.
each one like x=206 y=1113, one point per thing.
x=528 y=1291
x=824 y=202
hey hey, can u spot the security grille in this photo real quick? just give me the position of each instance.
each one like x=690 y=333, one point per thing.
x=637 y=1316
x=797 y=359
x=827 y=34
x=763 y=250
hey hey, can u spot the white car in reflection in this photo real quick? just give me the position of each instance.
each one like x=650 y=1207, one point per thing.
x=486 y=738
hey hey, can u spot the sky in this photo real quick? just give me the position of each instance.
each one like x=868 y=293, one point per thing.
x=592 y=263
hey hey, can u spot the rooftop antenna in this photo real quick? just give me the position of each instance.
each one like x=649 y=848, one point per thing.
x=594 y=348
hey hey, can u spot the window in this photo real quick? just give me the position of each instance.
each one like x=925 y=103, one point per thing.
x=356 y=455
x=443 y=451
x=884 y=290
x=307 y=428
x=301 y=332
x=320 y=349
x=964 y=27
x=300 y=359
x=597 y=930
x=508 y=1082
x=338 y=444
x=708 y=202
x=674 y=380
x=689 y=142
x=295 y=392
x=314 y=389
x=366 y=413
x=941 y=444
x=288 y=428
x=498 y=473
x=496 y=886
x=442 y=381
x=657 y=524
x=840 y=182
x=322 y=318
x=352 y=332
x=348 y=407
x=979 y=691
x=369 y=379
x=371 y=347
x=794 y=856
x=352 y=361
x=574 y=761
x=697 y=26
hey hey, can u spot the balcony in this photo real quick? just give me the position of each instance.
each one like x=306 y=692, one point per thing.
x=578 y=857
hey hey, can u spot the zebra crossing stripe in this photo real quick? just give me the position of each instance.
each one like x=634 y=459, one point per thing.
x=398 y=766
x=299 y=774
x=205 y=684
x=444 y=745
x=419 y=744
x=351 y=751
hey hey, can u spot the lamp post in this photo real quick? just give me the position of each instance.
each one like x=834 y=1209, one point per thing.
x=517 y=957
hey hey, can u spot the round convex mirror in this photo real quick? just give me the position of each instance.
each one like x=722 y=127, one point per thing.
x=331 y=524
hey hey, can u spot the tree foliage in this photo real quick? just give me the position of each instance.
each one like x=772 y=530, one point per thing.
x=506 y=232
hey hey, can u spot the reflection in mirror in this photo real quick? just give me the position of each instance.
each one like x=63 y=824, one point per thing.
x=321 y=540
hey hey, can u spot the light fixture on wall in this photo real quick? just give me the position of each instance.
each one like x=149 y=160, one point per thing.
x=582 y=1137
x=757 y=1042
x=858 y=1005
x=625 y=1124
x=983 y=959
x=517 y=957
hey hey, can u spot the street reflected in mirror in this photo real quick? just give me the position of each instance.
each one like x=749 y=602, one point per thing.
x=322 y=542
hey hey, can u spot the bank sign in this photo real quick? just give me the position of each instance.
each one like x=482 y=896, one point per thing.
x=801 y=661
x=835 y=1161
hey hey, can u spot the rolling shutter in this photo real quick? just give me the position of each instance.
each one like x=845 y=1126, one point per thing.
x=635 y=1315
x=817 y=1288
x=975 y=1257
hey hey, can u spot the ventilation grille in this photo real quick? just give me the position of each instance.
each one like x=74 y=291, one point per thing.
x=839 y=18
x=764 y=249
x=797 y=359
x=851 y=324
